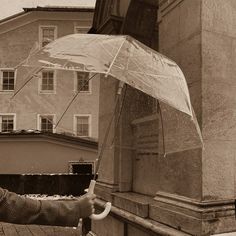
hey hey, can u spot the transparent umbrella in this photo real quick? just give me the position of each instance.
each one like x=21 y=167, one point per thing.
x=128 y=60
x=132 y=63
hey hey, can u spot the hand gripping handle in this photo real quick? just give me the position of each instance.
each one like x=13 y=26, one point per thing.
x=107 y=205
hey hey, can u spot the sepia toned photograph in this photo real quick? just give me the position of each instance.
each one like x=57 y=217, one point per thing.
x=118 y=117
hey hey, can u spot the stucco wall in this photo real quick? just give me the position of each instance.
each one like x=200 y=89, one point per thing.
x=40 y=156
x=17 y=37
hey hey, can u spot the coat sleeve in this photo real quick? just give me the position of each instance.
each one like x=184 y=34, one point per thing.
x=23 y=210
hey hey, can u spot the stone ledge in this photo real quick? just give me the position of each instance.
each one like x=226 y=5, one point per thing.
x=104 y=190
x=192 y=216
x=203 y=209
x=145 y=224
x=132 y=202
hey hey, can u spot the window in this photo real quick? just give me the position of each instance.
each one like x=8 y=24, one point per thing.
x=47 y=84
x=46 y=123
x=81 y=30
x=83 y=85
x=47 y=34
x=8 y=80
x=81 y=167
x=7 y=123
x=82 y=125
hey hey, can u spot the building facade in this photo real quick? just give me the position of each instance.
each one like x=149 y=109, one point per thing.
x=190 y=192
x=40 y=104
x=46 y=154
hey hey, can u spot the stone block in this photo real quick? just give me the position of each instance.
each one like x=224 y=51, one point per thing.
x=173 y=53
x=217 y=58
x=233 y=57
x=182 y=167
x=137 y=232
x=214 y=21
x=169 y=28
x=190 y=58
x=146 y=161
x=146 y=174
x=132 y=202
x=191 y=216
x=218 y=170
x=104 y=190
x=190 y=17
x=218 y=106
x=195 y=90
x=113 y=227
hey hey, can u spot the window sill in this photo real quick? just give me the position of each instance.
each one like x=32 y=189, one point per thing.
x=83 y=92
x=86 y=137
x=47 y=92
x=7 y=91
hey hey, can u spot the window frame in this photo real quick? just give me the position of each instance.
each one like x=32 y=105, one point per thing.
x=41 y=27
x=39 y=121
x=89 y=125
x=40 y=91
x=76 y=83
x=14 y=121
x=1 y=79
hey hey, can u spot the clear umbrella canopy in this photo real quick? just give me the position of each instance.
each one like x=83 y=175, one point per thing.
x=133 y=63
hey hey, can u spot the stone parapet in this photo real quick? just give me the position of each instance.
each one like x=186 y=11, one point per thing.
x=194 y=217
x=104 y=190
x=132 y=202
x=124 y=223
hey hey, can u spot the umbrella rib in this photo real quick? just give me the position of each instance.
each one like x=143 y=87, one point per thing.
x=108 y=71
x=163 y=131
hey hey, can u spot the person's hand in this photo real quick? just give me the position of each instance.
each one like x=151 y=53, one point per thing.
x=86 y=205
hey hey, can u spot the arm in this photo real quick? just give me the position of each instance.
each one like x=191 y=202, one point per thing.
x=22 y=210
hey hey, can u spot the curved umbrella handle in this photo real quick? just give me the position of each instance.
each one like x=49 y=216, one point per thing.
x=107 y=205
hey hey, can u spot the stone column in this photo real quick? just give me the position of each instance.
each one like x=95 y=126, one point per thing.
x=197 y=189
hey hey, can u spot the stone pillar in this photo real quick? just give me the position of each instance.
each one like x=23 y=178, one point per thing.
x=197 y=188
x=115 y=170
x=108 y=170
x=219 y=108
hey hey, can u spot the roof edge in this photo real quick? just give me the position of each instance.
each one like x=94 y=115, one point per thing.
x=85 y=142
x=48 y=9
x=12 y=16
x=60 y=9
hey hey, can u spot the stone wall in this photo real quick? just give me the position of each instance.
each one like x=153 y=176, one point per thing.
x=195 y=189
x=218 y=98
x=180 y=40
x=200 y=38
